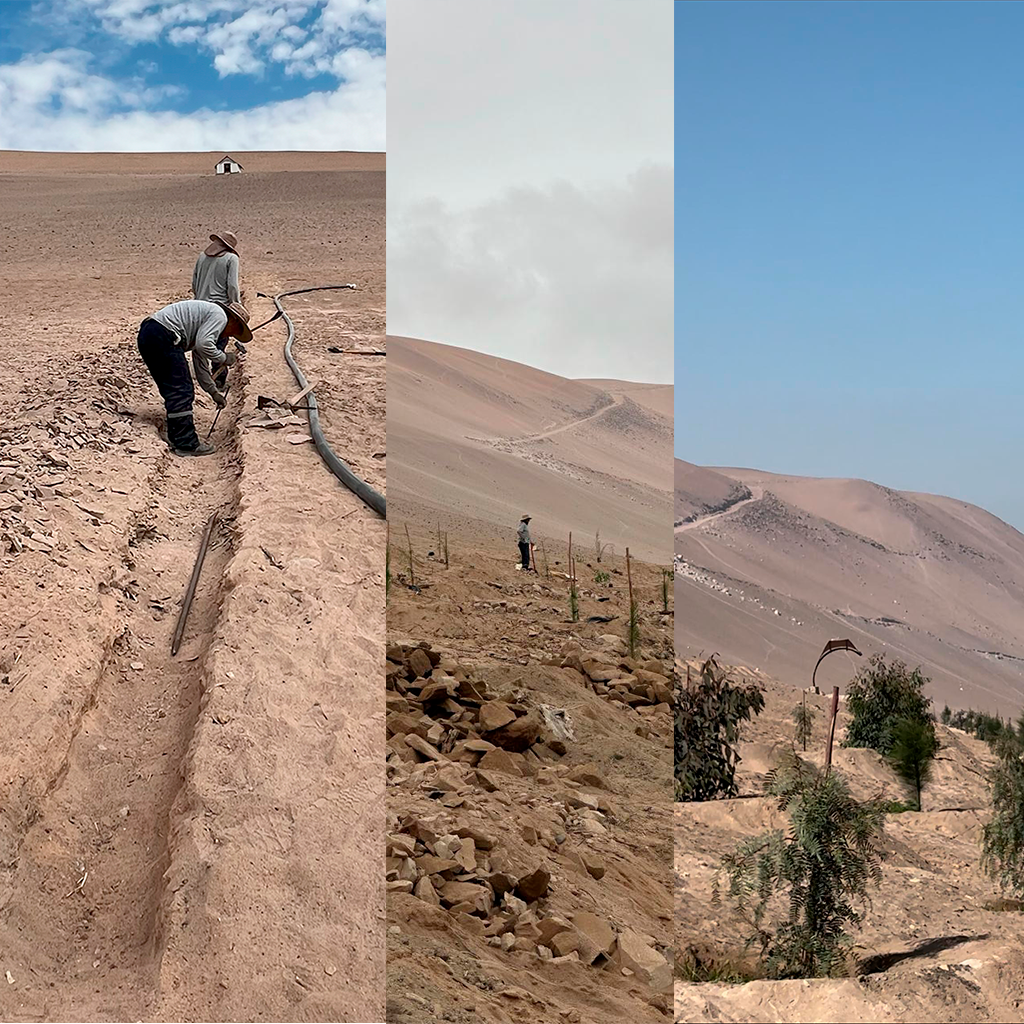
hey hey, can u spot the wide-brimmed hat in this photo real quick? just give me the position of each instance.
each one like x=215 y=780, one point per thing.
x=224 y=241
x=237 y=312
x=525 y=519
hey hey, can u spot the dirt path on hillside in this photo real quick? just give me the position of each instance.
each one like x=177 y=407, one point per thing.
x=712 y=516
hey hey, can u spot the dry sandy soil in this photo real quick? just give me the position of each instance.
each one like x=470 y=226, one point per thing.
x=594 y=813
x=769 y=567
x=559 y=908
x=188 y=838
x=938 y=942
x=492 y=439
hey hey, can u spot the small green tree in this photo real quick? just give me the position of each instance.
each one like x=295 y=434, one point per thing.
x=914 y=745
x=821 y=867
x=880 y=695
x=803 y=720
x=708 y=716
x=1002 y=840
x=947 y=714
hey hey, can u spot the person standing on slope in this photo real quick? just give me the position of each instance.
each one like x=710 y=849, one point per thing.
x=525 y=544
x=215 y=278
x=202 y=328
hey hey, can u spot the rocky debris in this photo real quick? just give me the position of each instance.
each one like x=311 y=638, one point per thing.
x=436 y=712
x=36 y=465
x=459 y=754
x=643 y=685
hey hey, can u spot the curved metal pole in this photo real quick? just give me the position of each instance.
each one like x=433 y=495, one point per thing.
x=830 y=647
x=358 y=486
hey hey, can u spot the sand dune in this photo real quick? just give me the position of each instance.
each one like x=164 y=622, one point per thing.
x=766 y=577
x=491 y=439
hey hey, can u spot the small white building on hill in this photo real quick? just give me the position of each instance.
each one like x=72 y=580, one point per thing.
x=228 y=165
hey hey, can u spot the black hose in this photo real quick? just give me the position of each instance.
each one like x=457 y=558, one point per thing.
x=358 y=487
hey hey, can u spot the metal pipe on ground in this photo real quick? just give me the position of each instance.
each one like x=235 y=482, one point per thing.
x=358 y=486
x=190 y=593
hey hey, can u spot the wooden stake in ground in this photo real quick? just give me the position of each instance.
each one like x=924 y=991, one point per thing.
x=634 y=623
x=832 y=728
x=190 y=592
x=412 y=574
x=544 y=555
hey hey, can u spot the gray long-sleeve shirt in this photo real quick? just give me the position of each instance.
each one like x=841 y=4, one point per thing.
x=197 y=325
x=215 y=278
x=524 y=533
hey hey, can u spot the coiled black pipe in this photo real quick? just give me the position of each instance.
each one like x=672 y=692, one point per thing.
x=358 y=486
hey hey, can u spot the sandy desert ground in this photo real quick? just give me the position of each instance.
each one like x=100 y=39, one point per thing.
x=939 y=942
x=492 y=439
x=529 y=756
x=769 y=567
x=189 y=838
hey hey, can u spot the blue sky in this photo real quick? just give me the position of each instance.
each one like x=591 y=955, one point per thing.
x=848 y=233
x=131 y=75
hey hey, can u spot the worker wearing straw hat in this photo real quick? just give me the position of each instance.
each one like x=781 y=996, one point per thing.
x=215 y=277
x=196 y=327
x=525 y=544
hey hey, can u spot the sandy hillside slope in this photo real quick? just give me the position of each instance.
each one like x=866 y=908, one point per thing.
x=769 y=567
x=939 y=942
x=529 y=788
x=492 y=439
x=173 y=828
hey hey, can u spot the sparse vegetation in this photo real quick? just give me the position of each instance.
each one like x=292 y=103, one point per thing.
x=1002 y=843
x=599 y=548
x=946 y=715
x=666 y=579
x=634 y=629
x=822 y=867
x=880 y=696
x=601 y=577
x=697 y=968
x=913 y=749
x=708 y=715
x=982 y=726
x=803 y=718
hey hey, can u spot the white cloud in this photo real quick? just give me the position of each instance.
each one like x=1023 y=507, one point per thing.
x=562 y=278
x=54 y=102
x=242 y=35
x=59 y=100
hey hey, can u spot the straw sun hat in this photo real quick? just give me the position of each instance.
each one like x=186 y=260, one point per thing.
x=224 y=241
x=237 y=312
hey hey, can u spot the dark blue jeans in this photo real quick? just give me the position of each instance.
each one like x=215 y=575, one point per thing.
x=524 y=551
x=168 y=367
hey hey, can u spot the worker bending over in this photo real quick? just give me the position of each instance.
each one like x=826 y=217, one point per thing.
x=200 y=328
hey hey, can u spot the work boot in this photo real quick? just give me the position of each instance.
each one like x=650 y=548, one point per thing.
x=202 y=448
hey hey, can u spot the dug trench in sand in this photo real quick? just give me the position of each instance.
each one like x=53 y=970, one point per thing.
x=150 y=805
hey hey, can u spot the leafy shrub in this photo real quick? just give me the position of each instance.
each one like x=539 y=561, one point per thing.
x=881 y=695
x=708 y=716
x=1002 y=841
x=821 y=867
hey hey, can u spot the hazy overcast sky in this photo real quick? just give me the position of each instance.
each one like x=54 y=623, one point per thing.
x=530 y=181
